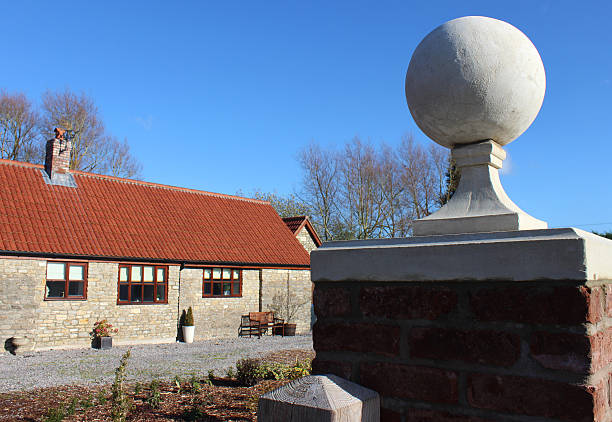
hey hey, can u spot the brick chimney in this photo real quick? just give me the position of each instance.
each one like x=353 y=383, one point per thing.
x=57 y=159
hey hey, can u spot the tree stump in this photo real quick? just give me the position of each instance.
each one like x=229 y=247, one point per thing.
x=319 y=398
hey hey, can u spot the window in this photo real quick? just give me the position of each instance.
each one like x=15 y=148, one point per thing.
x=143 y=284
x=66 y=280
x=220 y=282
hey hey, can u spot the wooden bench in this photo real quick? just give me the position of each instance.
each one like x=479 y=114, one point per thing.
x=258 y=323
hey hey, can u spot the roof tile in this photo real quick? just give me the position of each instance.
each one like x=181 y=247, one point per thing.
x=120 y=218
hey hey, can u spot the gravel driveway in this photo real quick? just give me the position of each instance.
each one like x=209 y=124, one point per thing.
x=161 y=361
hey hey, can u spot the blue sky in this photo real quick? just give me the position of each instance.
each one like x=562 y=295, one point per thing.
x=221 y=96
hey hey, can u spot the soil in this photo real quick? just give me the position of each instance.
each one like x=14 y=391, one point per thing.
x=224 y=400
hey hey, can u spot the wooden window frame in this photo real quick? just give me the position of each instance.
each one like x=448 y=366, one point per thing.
x=142 y=283
x=67 y=280
x=212 y=281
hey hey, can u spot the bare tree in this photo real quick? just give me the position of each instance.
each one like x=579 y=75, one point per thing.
x=93 y=150
x=364 y=192
x=441 y=165
x=397 y=216
x=320 y=186
x=79 y=114
x=419 y=178
x=285 y=206
x=18 y=132
x=119 y=161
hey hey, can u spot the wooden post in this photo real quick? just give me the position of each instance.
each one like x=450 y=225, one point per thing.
x=320 y=398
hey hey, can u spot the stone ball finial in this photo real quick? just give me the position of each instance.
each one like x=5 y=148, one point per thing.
x=473 y=79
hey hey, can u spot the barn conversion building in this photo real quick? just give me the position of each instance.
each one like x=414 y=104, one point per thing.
x=78 y=247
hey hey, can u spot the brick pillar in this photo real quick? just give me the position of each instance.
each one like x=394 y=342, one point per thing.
x=469 y=348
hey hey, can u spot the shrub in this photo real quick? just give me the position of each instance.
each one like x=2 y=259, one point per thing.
x=119 y=400
x=247 y=372
x=250 y=371
x=279 y=371
x=271 y=371
x=193 y=414
x=71 y=409
x=189 y=318
x=194 y=384
x=195 y=387
x=299 y=369
x=102 y=397
x=178 y=382
x=56 y=414
x=154 y=398
x=87 y=402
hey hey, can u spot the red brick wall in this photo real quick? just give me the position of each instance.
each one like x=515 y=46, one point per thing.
x=471 y=351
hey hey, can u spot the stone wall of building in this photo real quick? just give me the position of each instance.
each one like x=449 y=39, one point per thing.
x=275 y=283
x=218 y=317
x=67 y=323
x=19 y=300
x=306 y=240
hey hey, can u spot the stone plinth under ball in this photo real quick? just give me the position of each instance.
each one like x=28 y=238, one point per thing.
x=484 y=314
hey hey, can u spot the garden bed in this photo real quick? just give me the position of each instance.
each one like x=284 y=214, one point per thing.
x=190 y=399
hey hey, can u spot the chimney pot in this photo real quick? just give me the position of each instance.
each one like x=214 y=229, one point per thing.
x=59 y=133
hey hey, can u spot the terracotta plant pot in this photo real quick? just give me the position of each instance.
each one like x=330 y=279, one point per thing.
x=188 y=332
x=290 y=329
x=103 y=343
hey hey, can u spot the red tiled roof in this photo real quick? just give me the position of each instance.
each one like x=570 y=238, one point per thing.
x=120 y=218
x=296 y=224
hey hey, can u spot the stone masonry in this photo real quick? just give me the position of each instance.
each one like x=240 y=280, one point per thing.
x=217 y=317
x=306 y=240
x=275 y=282
x=18 y=301
x=220 y=317
x=67 y=323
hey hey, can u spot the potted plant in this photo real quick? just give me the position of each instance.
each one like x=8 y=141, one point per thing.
x=188 y=326
x=101 y=334
x=286 y=305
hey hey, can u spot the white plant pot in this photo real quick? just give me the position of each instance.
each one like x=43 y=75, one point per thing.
x=188 y=331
